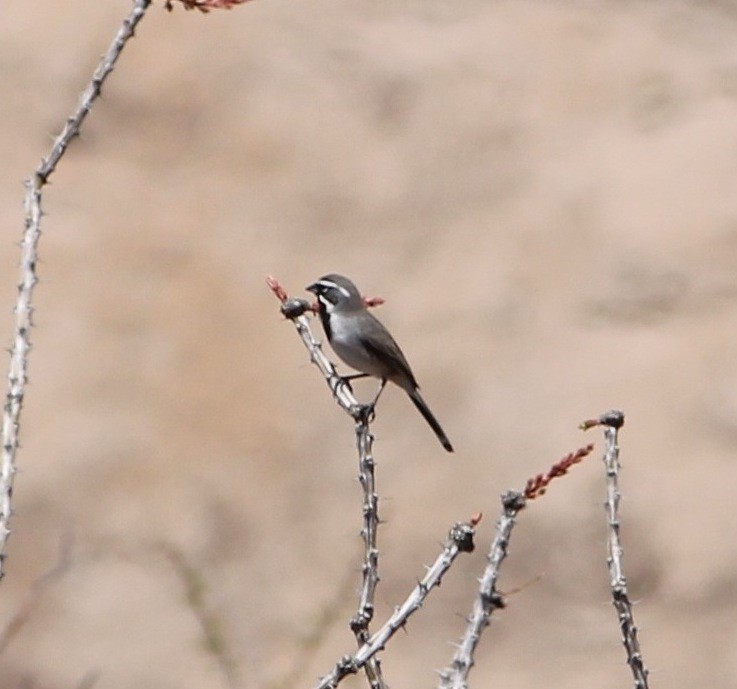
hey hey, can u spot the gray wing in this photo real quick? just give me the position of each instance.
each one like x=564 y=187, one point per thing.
x=383 y=346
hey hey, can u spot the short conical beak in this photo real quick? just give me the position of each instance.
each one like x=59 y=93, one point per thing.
x=312 y=288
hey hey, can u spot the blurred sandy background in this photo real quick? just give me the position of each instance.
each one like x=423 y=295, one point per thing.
x=545 y=194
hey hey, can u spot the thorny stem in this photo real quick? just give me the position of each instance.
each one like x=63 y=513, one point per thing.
x=370 y=568
x=362 y=415
x=340 y=389
x=18 y=366
x=19 y=619
x=205 y=5
x=460 y=540
x=488 y=599
x=214 y=642
x=612 y=422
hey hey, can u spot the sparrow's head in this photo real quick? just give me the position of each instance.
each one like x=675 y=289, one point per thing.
x=335 y=291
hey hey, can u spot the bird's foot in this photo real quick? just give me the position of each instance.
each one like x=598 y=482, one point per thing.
x=364 y=413
x=347 y=379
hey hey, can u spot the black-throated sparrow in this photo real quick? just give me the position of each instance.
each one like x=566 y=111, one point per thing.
x=363 y=343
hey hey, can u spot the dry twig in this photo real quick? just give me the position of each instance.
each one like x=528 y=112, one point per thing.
x=460 y=540
x=38 y=587
x=295 y=309
x=213 y=639
x=370 y=569
x=488 y=598
x=205 y=5
x=18 y=367
x=612 y=422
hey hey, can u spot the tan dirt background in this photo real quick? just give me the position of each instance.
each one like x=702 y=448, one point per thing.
x=544 y=192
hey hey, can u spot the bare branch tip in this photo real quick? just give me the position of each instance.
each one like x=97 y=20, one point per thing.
x=513 y=501
x=291 y=307
x=612 y=418
x=372 y=301
x=205 y=6
x=462 y=536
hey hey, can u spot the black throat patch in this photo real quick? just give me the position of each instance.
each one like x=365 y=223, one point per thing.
x=325 y=318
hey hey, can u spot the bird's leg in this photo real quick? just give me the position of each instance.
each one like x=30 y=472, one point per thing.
x=366 y=411
x=347 y=379
x=378 y=394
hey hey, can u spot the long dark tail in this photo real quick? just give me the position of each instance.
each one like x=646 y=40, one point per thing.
x=415 y=396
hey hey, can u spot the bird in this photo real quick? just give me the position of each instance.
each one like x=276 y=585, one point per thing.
x=362 y=342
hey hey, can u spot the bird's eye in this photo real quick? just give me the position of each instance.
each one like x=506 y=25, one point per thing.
x=334 y=290
x=331 y=295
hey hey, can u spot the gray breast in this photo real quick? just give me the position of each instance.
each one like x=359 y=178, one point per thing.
x=348 y=344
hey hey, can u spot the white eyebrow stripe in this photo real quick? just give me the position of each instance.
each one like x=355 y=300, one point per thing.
x=332 y=285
